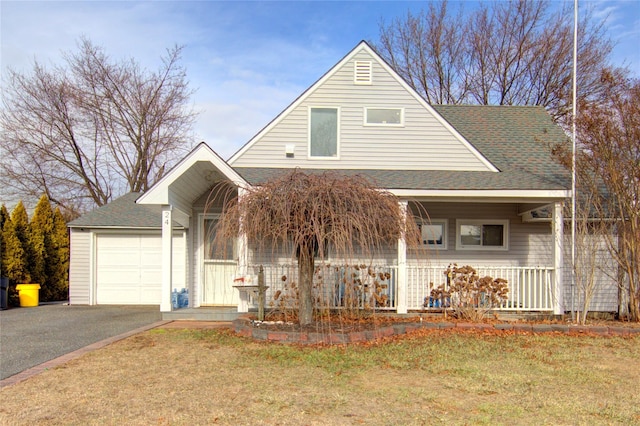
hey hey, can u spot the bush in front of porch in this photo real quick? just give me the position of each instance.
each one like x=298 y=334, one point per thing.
x=467 y=295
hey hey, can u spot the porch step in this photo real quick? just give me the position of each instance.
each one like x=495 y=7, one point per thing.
x=202 y=314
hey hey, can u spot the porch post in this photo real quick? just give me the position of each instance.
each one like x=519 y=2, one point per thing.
x=401 y=301
x=558 y=259
x=243 y=248
x=167 y=264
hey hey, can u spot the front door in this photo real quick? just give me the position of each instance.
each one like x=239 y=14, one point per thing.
x=218 y=267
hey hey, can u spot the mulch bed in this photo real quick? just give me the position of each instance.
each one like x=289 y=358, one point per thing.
x=338 y=330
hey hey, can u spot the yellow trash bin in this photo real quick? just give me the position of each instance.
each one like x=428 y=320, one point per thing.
x=29 y=295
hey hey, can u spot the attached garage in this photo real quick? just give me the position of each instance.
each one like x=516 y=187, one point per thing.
x=129 y=268
x=113 y=264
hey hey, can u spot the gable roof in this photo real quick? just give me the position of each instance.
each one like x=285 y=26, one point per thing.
x=121 y=213
x=515 y=139
x=188 y=179
x=363 y=46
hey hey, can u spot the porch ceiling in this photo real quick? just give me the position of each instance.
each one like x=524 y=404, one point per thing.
x=191 y=184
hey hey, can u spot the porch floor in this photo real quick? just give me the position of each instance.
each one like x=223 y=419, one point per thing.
x=206 y=313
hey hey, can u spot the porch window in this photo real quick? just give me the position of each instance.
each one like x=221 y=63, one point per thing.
x=434 y=233
x=482 y=234
x=384 y=116
x=211 y=252
x=323 y=132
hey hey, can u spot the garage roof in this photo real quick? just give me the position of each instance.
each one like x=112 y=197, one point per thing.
x=123 y=212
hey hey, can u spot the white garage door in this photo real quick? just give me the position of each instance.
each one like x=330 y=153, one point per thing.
x=129 y=268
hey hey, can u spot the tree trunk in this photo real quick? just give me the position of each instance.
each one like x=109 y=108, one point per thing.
x=623 y=294
x=634 y=303
x=635 y=312
x=305 y=274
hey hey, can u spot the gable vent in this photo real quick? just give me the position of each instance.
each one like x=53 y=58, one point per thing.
x=362 y=72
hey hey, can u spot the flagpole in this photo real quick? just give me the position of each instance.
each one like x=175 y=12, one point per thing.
x=573 y=159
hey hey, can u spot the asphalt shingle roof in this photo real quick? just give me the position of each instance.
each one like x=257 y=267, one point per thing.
x=123 y=212
x=515 y=139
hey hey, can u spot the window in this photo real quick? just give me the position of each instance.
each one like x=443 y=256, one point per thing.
x=434 y=233
x=482 y=234
x=384 y=116
x=211 y=252
x=323 y=132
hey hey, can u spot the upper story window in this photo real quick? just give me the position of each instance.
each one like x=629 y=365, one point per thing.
x=434 y=233
x=482 y=234
x=384 y=116
x=323 y=132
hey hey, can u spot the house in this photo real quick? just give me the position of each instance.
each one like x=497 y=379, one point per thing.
x=484 y=174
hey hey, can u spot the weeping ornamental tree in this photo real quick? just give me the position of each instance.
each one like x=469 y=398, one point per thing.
x=306 y=215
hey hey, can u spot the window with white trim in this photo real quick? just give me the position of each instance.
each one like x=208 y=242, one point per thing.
x=384 y=116
x=323 y=132
x=482 y=234
x=433 y=233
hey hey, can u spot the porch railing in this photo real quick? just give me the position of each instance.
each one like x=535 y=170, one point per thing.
x=530 y=287
x=339 y=286
x=334 y=287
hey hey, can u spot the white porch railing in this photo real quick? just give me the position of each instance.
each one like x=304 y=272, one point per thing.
x=336 y=286
x=530 y=287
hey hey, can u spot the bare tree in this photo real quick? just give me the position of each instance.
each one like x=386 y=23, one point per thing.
x=609 y=132
x=305 y=215
x=608 y=177
x=594 y=269
x=428 y=51
x=508 y=53
x=92 y=128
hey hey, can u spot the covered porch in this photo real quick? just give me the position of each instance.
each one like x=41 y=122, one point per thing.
x=514 y=235
x=378 y=288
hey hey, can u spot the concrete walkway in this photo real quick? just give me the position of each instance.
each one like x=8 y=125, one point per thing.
x=30 y=337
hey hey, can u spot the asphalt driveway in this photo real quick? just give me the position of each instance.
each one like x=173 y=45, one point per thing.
x=31 y=336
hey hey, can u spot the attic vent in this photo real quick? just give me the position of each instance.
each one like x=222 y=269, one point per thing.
x=362 y=72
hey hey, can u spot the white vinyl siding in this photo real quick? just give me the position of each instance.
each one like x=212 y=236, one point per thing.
x=423 y=143
x=80 y=267
x=605 y=297
x=529 y=243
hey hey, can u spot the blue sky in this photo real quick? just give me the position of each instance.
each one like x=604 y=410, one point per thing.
x=247 y=60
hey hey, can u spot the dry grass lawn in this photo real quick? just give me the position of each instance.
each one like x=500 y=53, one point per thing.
x=187 y=377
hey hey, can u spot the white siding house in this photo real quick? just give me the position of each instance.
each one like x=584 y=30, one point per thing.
x=479 y=172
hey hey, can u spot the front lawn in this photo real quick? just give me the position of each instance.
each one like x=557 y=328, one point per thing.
x=429 y=377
